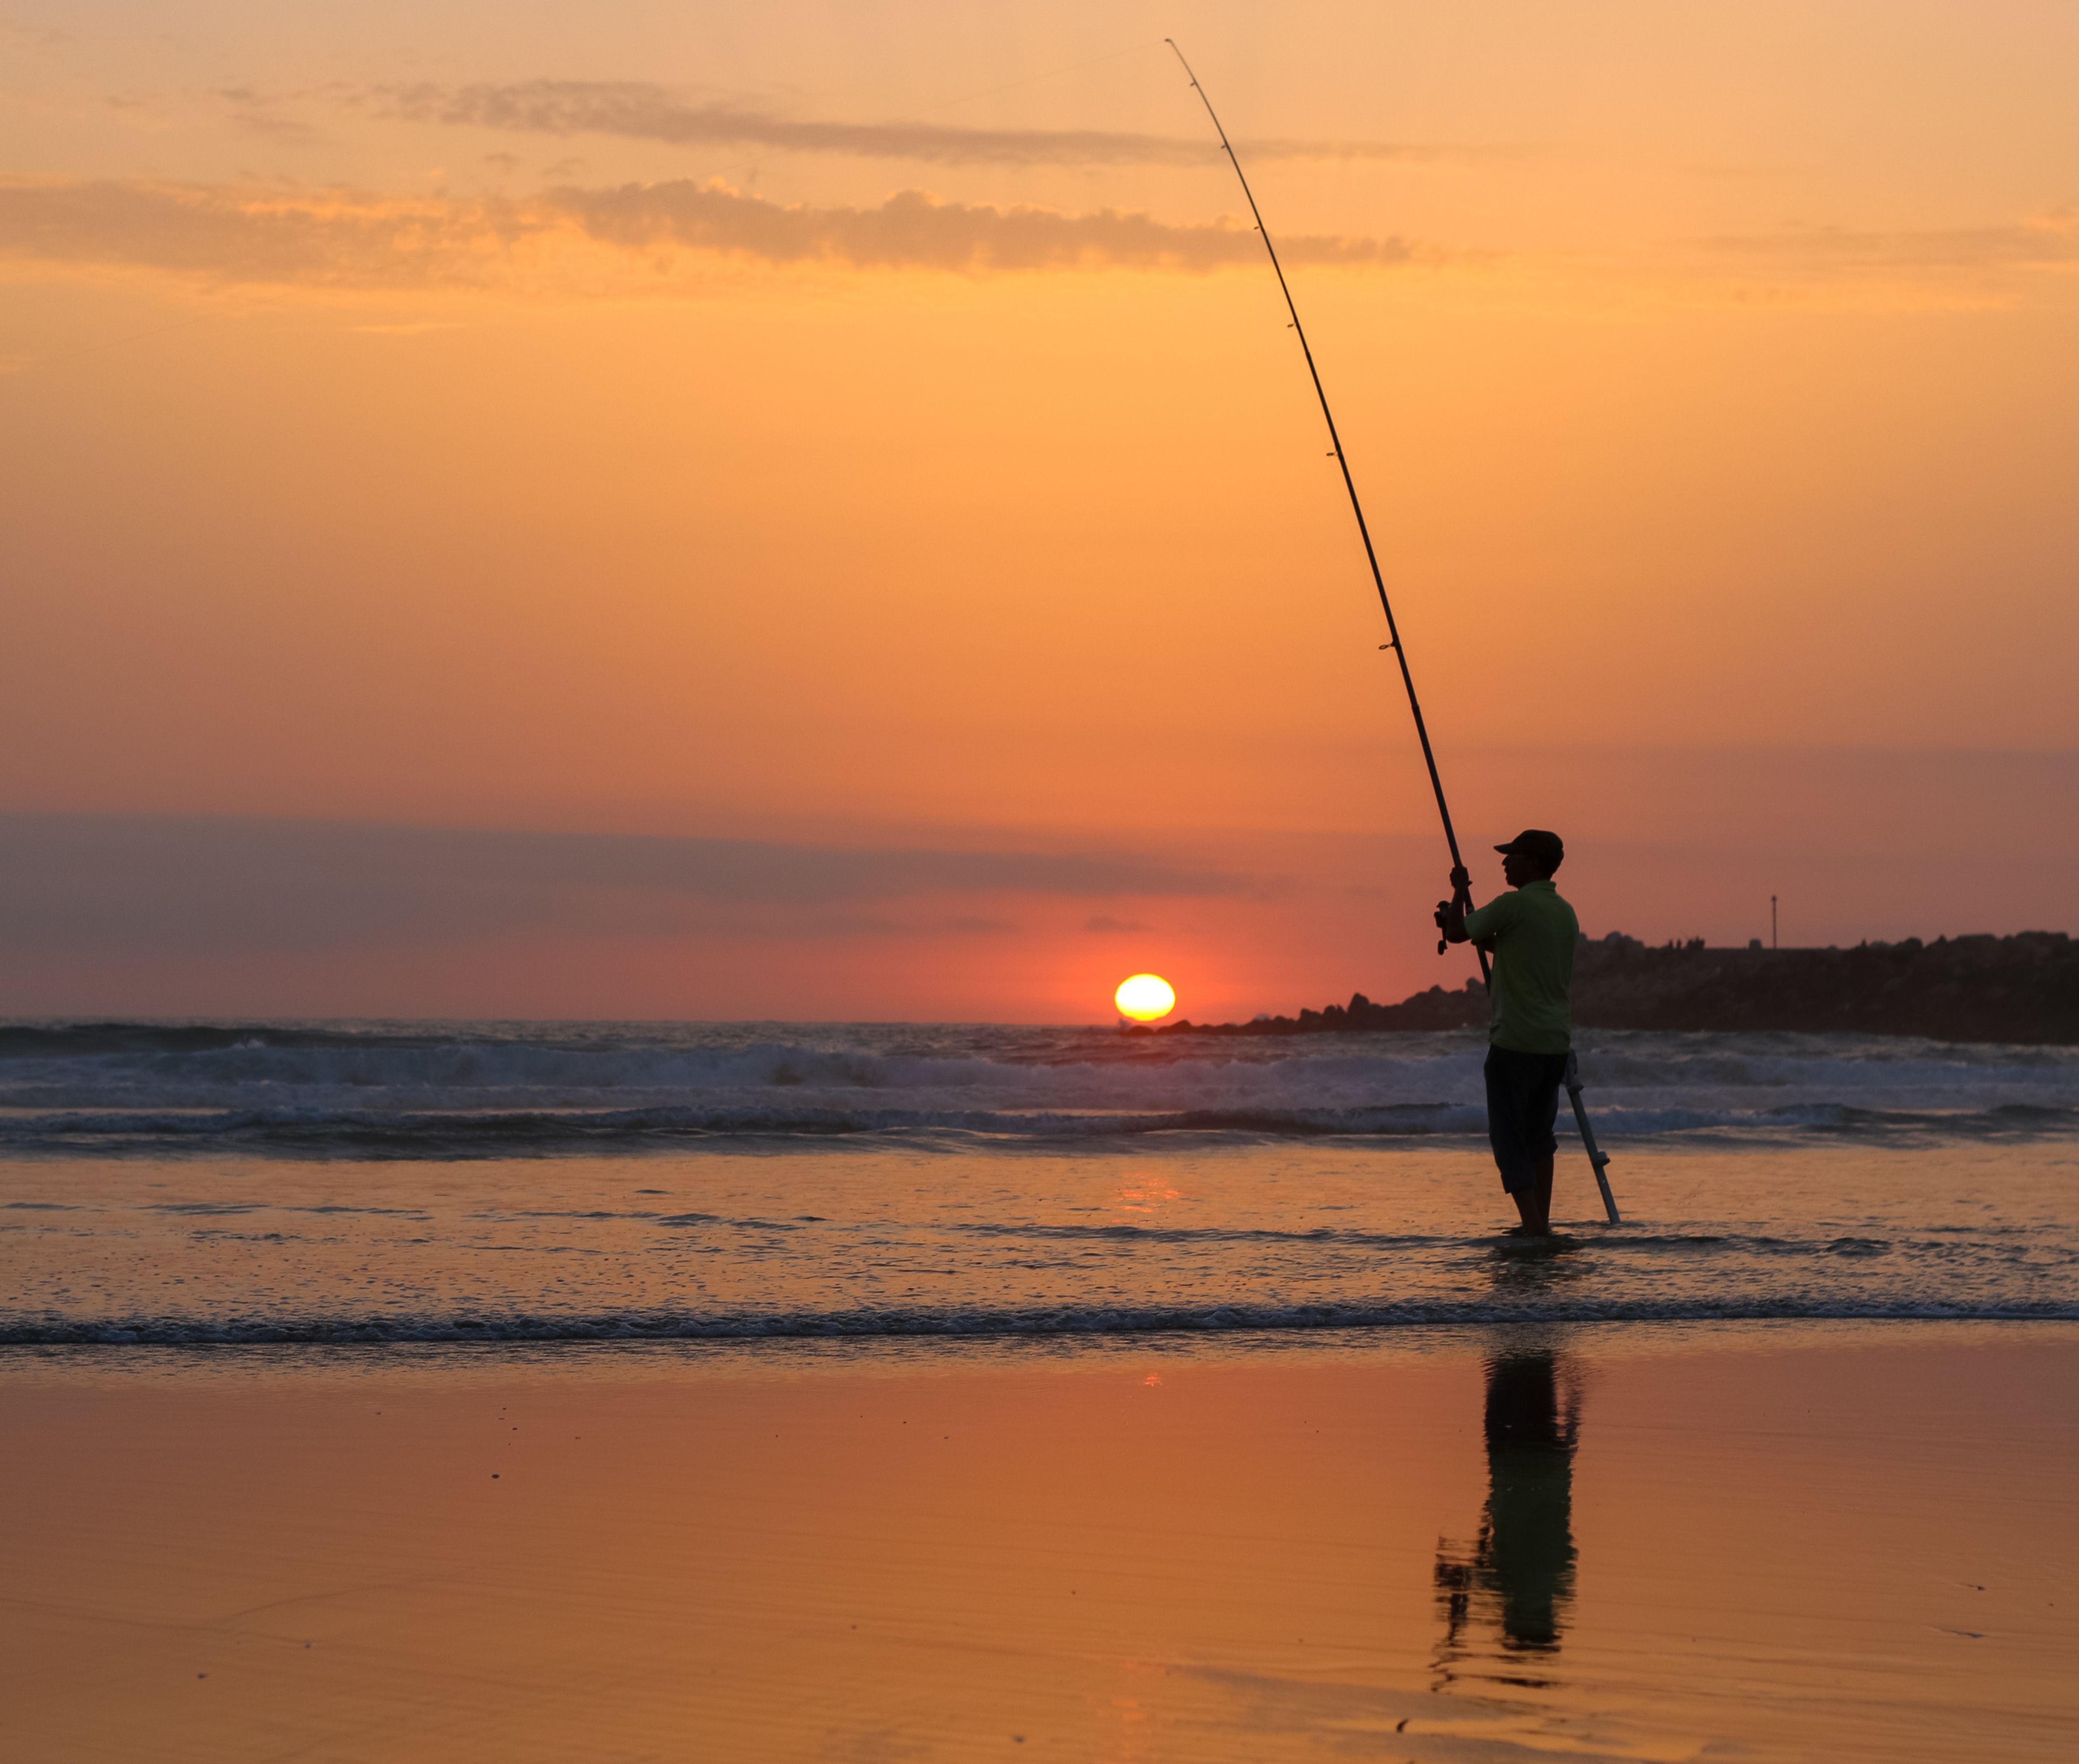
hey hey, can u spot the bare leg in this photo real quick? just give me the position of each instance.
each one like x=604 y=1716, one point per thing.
x=1525 y=1200
x=1536 y=1204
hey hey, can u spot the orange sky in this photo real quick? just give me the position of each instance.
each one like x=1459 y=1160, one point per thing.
x=862 y=429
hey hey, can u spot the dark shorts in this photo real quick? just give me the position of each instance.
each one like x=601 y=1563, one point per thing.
x=1523 y=1101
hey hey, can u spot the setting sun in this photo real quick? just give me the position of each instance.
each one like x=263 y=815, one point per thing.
x=1144 y=997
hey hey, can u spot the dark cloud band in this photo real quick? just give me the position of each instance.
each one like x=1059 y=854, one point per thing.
x=171 y=884
x=335 y=238
x=913 y=230
x=638 y=110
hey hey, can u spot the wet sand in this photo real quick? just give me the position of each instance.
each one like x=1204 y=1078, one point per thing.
x=1769 y=1541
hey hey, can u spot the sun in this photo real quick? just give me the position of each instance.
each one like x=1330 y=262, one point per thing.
x=1144 y=997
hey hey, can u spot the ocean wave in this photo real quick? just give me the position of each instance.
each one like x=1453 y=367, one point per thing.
x=491 y=1088
x=88 y=1040
x=976 y=1322
x=507 y=1133
x=2027 y=1244
x=934 y=1070
x=194 y=1064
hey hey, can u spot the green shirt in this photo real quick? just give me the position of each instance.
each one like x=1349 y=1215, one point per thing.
x=1534 y=932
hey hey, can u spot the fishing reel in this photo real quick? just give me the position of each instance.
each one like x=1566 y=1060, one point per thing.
x=1461 y=901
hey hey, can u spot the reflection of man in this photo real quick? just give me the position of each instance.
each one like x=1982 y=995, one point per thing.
x=1530 y=933
x=1524 y=1557
x=1529 y=1557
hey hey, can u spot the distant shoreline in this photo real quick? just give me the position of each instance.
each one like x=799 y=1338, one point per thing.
x=2022 y=988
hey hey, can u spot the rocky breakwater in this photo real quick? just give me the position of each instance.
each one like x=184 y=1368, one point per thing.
x=2020 y=988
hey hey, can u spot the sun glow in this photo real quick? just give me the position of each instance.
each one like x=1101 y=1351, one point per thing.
x=1144 y=997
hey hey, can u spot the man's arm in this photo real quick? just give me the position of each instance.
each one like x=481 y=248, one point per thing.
x=1452 y=914
x=1460 y=925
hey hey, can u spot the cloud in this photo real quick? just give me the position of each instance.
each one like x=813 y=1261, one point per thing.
x=248 y=235
x=638 y=111
x=255 y=112
x=111 y=884
x=260 y=236
x=2042 y=241
x=1104 y=925
x=912 y=229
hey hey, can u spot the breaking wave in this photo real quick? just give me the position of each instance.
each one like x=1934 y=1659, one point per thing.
x=1061 y=1320
x=375 y=1133
x=506 y=1088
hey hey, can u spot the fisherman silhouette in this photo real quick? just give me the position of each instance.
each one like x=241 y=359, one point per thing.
x=1527 y=1177
x=1531 y=934
x=1520 y=1571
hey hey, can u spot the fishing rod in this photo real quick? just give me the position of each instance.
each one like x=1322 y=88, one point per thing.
x=1461 y=877
x=1461 y=881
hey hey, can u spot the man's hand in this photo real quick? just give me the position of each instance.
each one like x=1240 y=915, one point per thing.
x=1451 y=914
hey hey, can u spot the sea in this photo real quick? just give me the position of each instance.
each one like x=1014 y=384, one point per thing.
x=205 y=1183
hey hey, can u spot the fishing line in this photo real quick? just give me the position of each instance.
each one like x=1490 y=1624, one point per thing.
x=1461 y=894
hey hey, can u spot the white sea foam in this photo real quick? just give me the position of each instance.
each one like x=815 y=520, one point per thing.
x=544 y=1084
x=1240 y=1317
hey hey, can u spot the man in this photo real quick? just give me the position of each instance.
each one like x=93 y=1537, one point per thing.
x=1530 y=934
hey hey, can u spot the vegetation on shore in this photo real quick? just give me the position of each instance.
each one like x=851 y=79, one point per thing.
x=2020 y=988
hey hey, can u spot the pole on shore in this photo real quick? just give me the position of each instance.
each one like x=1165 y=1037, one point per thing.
x=1599 y=1160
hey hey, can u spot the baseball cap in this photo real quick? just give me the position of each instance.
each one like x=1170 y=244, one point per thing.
x=1537 y=845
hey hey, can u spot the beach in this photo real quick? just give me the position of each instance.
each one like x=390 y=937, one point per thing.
x=1846 y=1541
x=929 y=1392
